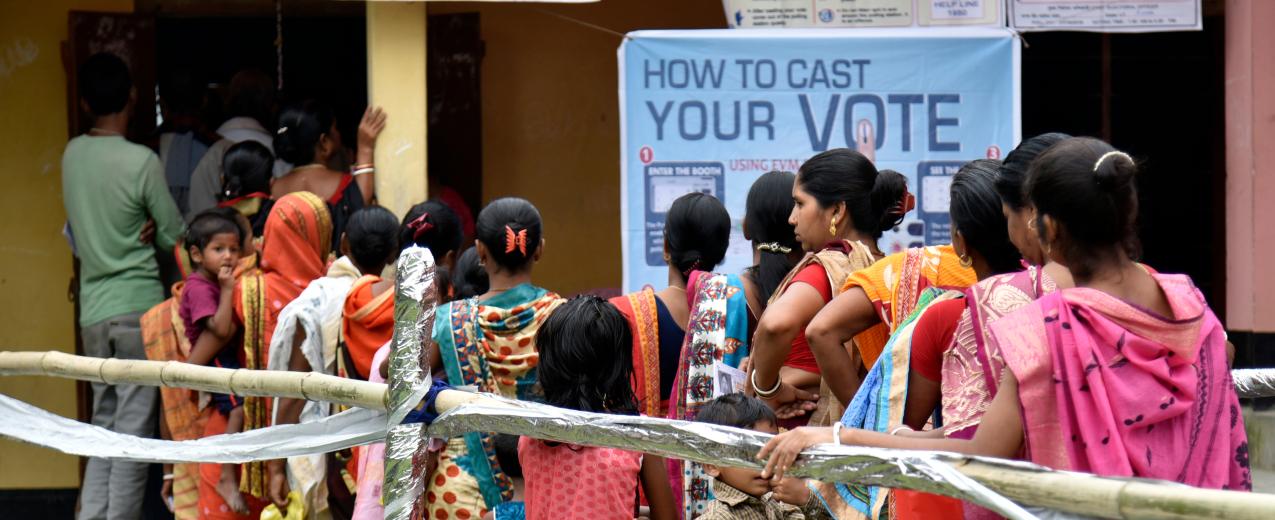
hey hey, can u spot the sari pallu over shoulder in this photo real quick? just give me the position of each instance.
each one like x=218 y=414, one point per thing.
x=489 y=345
x=1118 y=390
x=294 y=249
x=972 y=366
x=642 y=313
x=838 y=260
x=895 y=284
x=718 y=332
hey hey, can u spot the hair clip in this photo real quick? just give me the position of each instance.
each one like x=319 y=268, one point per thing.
x=693 y=267
x=908 y=203
x=420 y=226
x=281 y=130
x=515 y=241
x=1104 y=157
x=774 y=247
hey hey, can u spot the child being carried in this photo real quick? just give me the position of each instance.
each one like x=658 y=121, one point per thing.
x=214 y=239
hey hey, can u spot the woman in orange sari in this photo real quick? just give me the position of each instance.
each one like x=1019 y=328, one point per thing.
x=696 y=233
x=294 y=250
x=873 y=303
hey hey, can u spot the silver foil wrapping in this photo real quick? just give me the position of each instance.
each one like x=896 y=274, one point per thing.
x=27 y=423
x=922 y=471
x=1253 y=383
x=415 y=297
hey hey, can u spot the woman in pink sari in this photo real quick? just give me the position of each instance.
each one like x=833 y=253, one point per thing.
x=1126 y=374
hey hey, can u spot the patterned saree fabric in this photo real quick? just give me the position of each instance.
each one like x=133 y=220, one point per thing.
x=490 y=345
x=718 y=332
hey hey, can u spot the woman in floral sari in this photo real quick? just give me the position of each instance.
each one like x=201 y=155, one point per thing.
x=488 y=342
x=696 y=233
x=720 y=323
x=1124 y=375
x=842 y=206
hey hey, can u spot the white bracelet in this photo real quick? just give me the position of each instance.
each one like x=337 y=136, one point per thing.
x=836 y=433
x=899 y=428
x=362 y=171
x=764 y=394
x=168 y=476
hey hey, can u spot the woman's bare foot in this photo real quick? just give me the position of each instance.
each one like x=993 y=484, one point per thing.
x=229 y=490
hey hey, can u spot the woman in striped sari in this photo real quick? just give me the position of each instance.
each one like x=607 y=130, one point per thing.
x=696 y=233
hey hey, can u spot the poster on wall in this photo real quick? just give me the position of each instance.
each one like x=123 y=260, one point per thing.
x=1106 y=15
x=710 y=111
x=861 y=13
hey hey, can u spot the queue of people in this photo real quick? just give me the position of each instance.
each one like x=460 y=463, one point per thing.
x=1039 y=300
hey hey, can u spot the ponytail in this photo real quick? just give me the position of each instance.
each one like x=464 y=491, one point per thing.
x=890 y=200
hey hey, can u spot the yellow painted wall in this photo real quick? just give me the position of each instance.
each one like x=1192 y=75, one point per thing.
x=551 y=124
x=35 y=262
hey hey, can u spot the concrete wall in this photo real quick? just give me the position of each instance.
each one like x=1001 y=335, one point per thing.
x=35 y=262
x=551 y=126
x=1250 y=165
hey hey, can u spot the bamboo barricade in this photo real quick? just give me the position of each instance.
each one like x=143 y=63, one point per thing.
x=311 y=386
x=1063 y=491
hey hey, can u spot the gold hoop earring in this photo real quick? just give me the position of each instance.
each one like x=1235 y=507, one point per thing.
x=966 y=261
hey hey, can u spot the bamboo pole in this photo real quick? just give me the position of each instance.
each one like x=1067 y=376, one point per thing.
x=1063 y=491
x=311 y=386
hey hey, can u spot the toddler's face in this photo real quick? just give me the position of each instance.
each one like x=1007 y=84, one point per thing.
x=746 y=480
x=221 y=251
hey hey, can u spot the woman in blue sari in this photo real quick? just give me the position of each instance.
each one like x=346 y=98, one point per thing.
x=488 y=342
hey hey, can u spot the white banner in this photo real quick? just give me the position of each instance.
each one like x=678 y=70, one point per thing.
x=1105 y=15
x=862 y=13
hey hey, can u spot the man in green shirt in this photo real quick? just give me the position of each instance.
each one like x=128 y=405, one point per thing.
x=110 y=188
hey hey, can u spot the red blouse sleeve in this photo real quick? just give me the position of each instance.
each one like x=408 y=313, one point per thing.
x=932 y=335
x=815 y=276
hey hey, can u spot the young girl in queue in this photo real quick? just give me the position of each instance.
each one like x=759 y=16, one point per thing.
x=586 y=364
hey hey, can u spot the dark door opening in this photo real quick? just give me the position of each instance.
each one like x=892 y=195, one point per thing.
x=1160 y=97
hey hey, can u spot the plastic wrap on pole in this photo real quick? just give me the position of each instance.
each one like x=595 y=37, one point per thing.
x=707 y=443
x=415 y=294
x=1253 y=383
x=24 y=422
